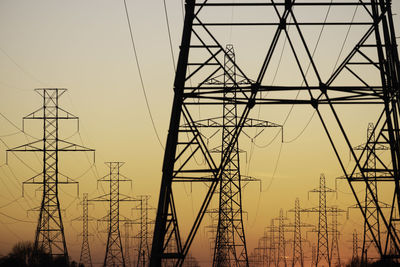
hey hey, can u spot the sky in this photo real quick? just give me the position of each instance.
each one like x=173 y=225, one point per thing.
x=85 y=46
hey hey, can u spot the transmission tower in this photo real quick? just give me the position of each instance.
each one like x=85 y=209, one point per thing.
x=201 y=56
x=281 y=239
x=127 y=247
x=335 y=252
x=262 y=249
x=323 y=241
x=85 y=257
x=313 y=255
x=369 y=206
x=230 y=242
x=114 y=255
x=143 y=235
x=356 y=247
x=272 y=256
x=298 y=255
x=50 y=230
x=323 y=251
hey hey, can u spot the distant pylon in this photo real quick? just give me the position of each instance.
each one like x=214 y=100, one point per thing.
x=85 y=257
x=323 y=243
x=114 y=255
x=50 y=230
x=323 y=248
x=281 y=240
x=143 y=235
x=355 y=246
x=272 y=259
x=313 y=255
x=298 y=256
x=370 y=206
x=127 y=246
x=335 y=252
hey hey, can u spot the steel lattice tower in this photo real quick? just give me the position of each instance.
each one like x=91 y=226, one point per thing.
x=143 y=235
x=323 y=242
x=230 y=243
x=335 y=252
x=313 y=255
x=201 y=48
x=281 y=239
x=370 y=207
x=298 y=256
x=50 y=230
x=262 y=249
x=272 y=257
x=323 y=250
x=85 y=257
x=114 y=255
x=127 y=246
x=355 y=247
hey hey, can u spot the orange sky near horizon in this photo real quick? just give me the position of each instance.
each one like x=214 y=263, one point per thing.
x=85 y=46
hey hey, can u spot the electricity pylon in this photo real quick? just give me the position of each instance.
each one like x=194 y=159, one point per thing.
x=143 y=234
x=114 y=255
x=335 y=251
x=127 y=247
x=323 y=252
x=272 y=255
x=313 y=255
x=281 y=258
x=356 y=247
x=298 y=255
x=85 y=257
x=262 y=249
x=369 y=206
x=201 y=56
x=230 y=242
x=49 y=234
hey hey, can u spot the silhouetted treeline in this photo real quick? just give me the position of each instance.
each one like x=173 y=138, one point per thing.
x=379 y=263
x=23 y=255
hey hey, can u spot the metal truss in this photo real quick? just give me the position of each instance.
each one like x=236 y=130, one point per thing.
x=85 y=257
x=298 y=254
x=143 y=235
x=114 y=255
x=201 y=57
x=50 y=229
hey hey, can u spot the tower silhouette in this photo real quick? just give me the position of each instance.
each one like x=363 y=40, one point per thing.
x=49 y=234
x=201 y=56
x=85 y=257
x=114 y=255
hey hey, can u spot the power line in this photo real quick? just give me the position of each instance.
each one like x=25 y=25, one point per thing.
x=15 y=219
x=21 y=68
x=169 y=35
x=140 y=75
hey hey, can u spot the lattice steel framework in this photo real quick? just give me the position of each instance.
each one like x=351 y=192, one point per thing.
x=355 y=247
x=127 y=246
x=324 y=248
x=335 y=251
x=371 y=209
x=50 y=230
x=230 y=243
x=273 y=248
x=114 y=255
x=201 y=49
x=143 y=236
x=262 y=249
x=298 y=255
x=85 y=257
x=281 y=257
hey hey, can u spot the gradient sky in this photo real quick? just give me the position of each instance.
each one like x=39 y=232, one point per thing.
x=85 y=46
